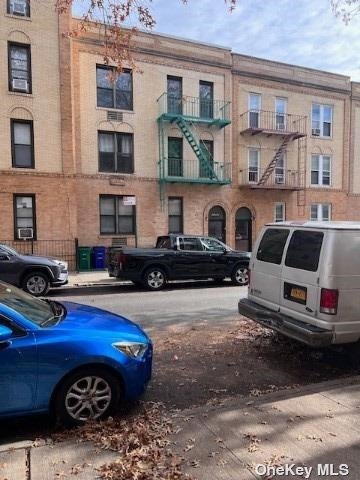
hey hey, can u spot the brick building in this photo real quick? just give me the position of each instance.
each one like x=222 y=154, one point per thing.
x=199 y=140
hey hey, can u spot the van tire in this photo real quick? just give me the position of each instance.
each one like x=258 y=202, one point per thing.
x=240 y=275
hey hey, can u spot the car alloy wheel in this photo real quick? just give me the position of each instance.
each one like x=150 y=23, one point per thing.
x=241 y=276
x=155 y=279
x=36 y=284
x=88 y=398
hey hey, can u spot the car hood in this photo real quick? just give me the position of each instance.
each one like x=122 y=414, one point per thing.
x=39 y=259
x=98 y=322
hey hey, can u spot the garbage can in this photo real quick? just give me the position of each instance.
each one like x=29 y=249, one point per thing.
x=99 y=257
x=84 y=254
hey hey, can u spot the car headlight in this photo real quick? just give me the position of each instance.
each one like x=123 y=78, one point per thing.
x=62 y=265
x=131 y=349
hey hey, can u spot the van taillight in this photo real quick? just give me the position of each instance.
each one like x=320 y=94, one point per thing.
x=329 y=301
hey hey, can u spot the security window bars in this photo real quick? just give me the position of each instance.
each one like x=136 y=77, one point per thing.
x=19 y=67
x=114 y=90
x=24 y=214
x=115 y=217
x=116 y=152
x=321 y=118
x=22 y=143
x=321 y=170
x=175 y=207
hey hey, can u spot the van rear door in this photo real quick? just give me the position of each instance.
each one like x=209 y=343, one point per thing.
x=300 y=274
x=266 y=268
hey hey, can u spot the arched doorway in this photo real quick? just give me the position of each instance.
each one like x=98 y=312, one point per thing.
x=217 y=223
x=243 y=229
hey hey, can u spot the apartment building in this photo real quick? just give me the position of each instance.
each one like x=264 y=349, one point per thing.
x=196 y=139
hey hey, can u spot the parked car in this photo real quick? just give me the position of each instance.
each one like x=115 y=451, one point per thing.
x=179 y=257
x=75 y=361
x=305 y=281
x=34 y=274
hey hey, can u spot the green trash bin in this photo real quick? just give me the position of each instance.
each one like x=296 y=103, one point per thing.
x=84 y=254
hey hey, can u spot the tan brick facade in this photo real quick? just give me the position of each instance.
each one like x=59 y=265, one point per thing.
x=66 y=118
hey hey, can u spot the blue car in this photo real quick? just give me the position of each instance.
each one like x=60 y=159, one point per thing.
x=72 y=360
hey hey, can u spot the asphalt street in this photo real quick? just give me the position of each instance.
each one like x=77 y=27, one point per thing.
x=178 y=305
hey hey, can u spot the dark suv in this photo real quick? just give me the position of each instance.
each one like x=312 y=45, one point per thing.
x=33 y=274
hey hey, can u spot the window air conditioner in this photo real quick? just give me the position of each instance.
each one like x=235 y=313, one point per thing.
x=20 y=85
x=315 y=132
x=18 y=8
x=25 y=233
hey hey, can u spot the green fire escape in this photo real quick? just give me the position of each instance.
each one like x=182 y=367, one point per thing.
x=188 y=114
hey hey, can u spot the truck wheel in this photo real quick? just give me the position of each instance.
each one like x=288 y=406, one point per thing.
x=240 y=275
x=154 y=278
x=36 y=283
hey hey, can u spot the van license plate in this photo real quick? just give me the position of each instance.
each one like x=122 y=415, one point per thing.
x=298 y=294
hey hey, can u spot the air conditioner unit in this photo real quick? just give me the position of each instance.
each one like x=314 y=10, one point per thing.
x=315 y=132
x=25 y=233
x=19 y=8
x=20 y=85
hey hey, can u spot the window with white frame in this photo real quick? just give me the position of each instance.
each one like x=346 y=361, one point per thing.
x=254 y=110
x=280 y=170
x=321 y=120
x=320 y=212
x=280 y=109
x=254 y=165
x=279 y=212
x=321 y=170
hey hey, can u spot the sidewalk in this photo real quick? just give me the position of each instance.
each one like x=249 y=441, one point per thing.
x=308 y=427
x=93 y=278
x=311 y=426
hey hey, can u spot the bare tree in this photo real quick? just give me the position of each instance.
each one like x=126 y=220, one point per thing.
x=346 y=9
x=116 y=21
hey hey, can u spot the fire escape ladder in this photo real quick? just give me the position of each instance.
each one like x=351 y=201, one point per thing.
x=270 y=168
x=195 y=144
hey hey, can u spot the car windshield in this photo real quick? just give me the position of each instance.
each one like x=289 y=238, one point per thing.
x=8 y=249
x=37 y=311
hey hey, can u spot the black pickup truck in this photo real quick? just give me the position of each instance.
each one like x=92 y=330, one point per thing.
x=179 y=257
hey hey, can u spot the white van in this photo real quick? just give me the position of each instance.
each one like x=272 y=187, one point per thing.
x=305 y=281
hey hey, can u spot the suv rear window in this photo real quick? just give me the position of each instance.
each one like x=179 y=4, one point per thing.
x=272 y=245
x=304 y=250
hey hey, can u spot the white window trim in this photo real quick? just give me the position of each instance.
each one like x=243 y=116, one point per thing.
x=284 y=171
x=283 y=205
x=258 y=95
x=320 y=212
x=258 y=164
x=321 y=171
x=322 y=105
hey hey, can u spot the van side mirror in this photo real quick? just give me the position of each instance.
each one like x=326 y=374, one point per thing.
x=5 y=333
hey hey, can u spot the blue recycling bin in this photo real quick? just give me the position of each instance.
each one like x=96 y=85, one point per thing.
x=99 y=257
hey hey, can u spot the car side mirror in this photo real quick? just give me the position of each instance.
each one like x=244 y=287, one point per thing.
x=4 y=257
x=225 y=250
x=5 y=333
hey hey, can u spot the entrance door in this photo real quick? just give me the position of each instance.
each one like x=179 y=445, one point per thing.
x=243 y=229
x=217 y=223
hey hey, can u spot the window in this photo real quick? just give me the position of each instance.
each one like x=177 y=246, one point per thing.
x=212 y=245
x=190 y=244
x=207 y=149
x=280 y=109
x=254 y=165
x=175 y=206
x=320 y=212
x=114 y=90
x=20 y=8
x=279 y=212
x=321 y=120
x=254 y=110
x=321 y=170
x=272 y=245
x=175 y=157
x=116 y=152
x=280 y=170
x=19 y=67
x=174 y=94
x=304 y=250
x=115 y=217
x=22 y=143
x=206 y=99
x=24 y=214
